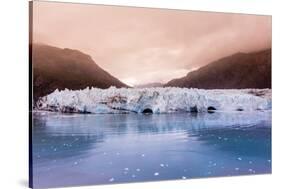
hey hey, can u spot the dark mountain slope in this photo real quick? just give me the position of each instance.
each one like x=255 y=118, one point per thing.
x=56 y=68
x=241 y=70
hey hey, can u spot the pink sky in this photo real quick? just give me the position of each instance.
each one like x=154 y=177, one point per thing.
x=141 y=45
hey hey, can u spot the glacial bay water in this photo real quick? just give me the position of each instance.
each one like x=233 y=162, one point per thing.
x=89 y=149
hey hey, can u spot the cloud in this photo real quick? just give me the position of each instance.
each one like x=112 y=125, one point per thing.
x=141 y=45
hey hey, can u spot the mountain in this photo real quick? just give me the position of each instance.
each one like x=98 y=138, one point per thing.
x=56 y=68
x=149 y=85
x=241 y=70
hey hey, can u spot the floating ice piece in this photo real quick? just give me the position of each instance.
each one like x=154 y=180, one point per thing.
x=111 y=179
x=156 y=174
x=155 y=100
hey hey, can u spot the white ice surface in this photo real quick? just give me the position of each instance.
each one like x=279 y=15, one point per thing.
x=159 y=100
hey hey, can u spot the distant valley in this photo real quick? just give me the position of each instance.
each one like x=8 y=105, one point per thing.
x=57 y=68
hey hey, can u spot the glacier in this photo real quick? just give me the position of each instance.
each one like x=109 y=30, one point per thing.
x=155 y=100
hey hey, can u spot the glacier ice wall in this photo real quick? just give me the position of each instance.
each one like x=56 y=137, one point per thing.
x=155 y=100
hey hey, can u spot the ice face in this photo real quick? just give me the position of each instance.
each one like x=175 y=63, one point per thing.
x=155 y=100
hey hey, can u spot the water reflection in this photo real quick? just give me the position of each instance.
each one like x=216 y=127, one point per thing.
x=55 y=142
x=98 y=149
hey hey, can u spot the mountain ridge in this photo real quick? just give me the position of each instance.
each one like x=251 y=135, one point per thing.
x=59 y=68
x=237 y=71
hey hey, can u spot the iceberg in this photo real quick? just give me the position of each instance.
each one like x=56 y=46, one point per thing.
x=155 y=100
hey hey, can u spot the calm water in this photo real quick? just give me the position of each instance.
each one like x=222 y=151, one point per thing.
x=71 y=150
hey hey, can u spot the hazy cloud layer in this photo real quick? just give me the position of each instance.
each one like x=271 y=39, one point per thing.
x=140 y=45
